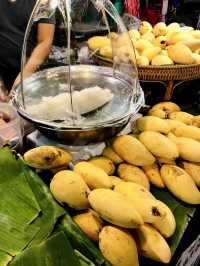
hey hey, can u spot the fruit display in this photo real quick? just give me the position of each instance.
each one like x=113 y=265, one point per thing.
x=115 y=200
x=160 y=45
x=125 y=218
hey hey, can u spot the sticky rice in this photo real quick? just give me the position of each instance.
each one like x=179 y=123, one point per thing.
x=59 y=106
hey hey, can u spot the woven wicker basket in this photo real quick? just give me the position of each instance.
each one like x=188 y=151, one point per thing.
x=159 y=73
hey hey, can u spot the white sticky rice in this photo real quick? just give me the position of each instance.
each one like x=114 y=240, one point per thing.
x=59 y=106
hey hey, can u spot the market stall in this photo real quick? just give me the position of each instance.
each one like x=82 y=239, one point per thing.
x=99 y=180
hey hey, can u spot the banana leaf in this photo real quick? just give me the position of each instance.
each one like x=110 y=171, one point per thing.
x=55 y=251
x=18 y=206
x=17 y=199
x=28 y=212
x=50 y=209
x=83 y=260
x=4 y=258
x=14 y=237
x=182 y=213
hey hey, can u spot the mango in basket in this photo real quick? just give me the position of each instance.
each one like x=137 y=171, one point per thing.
x=134 y=34
x=160 y=41
x=106 y=51
x=164 y=52
x=176 y=37
x=196 y=58
x=142 y=45
x=123 y=39
x=151 y=52
x=161 y=60
x=149 y=36
x=196 y=34
x=160 y=29
x=174 y=26
x=181 y=54
x=196 y=121
x=145 y=27
x=142 y=61
x=193 y=44
x=97 y=42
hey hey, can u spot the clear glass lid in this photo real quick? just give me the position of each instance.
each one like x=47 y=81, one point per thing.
x=78 y=65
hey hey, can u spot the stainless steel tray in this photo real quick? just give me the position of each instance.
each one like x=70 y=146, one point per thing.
x=51 y=82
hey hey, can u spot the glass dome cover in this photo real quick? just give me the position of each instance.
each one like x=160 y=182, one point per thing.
x=68 y=87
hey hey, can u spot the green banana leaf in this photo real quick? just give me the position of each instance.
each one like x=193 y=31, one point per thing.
x=18 y=206
x=50 y=209
x=28 y=212
x=14 y=237
x=16 y=195
x=4 y=258
x=83 y=260
x=55 y=251
x=182 y=213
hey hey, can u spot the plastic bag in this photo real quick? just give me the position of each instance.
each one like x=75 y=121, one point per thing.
x=191 y=257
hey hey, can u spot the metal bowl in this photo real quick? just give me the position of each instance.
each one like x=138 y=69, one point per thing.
x=53 y=81
x=75 y=137
x=96 y=126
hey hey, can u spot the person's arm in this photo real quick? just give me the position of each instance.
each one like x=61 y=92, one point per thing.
x=45 y=35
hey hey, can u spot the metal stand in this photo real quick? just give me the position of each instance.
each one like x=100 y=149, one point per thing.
x=170 y=86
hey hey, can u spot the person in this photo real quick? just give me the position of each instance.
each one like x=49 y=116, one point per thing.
x=184 y=11
x=14 y=17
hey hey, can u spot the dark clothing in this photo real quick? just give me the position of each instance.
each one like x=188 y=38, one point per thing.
x=14 y=17
x=186 y=12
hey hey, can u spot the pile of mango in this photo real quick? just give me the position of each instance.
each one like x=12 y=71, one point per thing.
x=157 y=46
x=111 y=192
